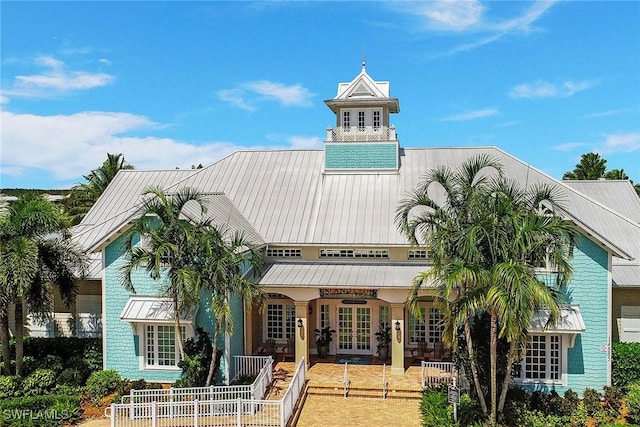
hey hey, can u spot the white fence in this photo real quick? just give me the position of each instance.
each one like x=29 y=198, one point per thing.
x=260 y=366
x=437 y=373
x=187 y=408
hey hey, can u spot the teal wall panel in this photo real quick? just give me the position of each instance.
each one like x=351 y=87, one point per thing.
x=352 y=155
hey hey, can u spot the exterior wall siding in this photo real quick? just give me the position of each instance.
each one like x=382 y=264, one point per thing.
x=354 y=155
x=586 y=364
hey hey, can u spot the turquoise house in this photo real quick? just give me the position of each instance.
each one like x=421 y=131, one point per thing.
x=334 y=256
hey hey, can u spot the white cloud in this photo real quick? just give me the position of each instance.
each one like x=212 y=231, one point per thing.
x=470 y=16
x=456 y=15
x=619 y=143
x=4 y=99
x=69 y=146
x=568 y=146
x=249 y=94
x=471 y=115
x=608 y=113
x=235 y=97
x=305 y=142
x=543 y=89
x=55 y=79
x=287 y=95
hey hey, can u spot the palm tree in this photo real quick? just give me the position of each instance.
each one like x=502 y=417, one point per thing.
x=168 y=238
x=83 y=196
x=591 y=166
x=482 y=238
x=36 y=254
x=442 y=225
x=222 y=256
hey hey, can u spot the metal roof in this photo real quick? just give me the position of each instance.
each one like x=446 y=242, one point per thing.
x=149 y=309
x=340 y=275
x=618 y=195
x=287 y=199
x=570 y=321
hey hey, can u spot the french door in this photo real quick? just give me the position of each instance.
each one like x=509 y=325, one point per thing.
x=354 y=330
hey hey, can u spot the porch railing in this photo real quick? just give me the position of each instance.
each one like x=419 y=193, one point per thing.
x=211 y=412
x=385 y=383
x=245 y=366
x=345 y=379
x=361 y=134
x=436 y=373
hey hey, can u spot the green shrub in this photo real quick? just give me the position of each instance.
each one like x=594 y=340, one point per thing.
x=538 y=419
x=92 y=355
x=579 y=416
x=10 y=386
x=570 y=402
x=633 y=401
x=625 y=364
x=435 y=409
x=101 y=384
x=195 y=365
x=39 y=382
x=46 y=410
x=469 y=411
x=591 y=401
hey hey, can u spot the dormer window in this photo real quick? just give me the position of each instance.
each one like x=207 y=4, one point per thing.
x=346 y=121
x=376 y=120
x=361 y=121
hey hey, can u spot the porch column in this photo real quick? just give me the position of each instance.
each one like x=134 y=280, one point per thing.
x=302 y=333
x=397 y=339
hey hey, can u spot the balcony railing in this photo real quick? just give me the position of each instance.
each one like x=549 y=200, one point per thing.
x=361 y=134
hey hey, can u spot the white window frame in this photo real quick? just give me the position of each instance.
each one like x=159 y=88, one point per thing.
x=430 y=328
x=555 y=356
x=629 y=325
x=362 y=121
x=286 y=322
x=346 y=120
x=376 y=120
x=153 y=347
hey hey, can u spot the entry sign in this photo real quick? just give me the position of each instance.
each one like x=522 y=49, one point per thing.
x=454 y=394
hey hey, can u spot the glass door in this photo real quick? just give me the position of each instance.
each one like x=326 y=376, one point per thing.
x=354 y=330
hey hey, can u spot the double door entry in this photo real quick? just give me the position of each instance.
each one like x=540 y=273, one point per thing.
x=354 y=330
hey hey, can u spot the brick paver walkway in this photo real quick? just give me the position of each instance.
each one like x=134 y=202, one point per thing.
x=330 y=411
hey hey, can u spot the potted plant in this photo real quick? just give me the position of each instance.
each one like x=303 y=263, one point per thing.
x=323 y=338
x=384 y=340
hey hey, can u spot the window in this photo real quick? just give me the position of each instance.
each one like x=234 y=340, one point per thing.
x=542 y=360
x=417 y=331
x=629 y=323
x=354 y=253
x=324 y=316
x=417 y=254
x=346 y=121
x=436 y=325
x=361 y=121
x=160 y=346
x=284 y=253
x=280 y=321
x=376 y=120
x=384 y=315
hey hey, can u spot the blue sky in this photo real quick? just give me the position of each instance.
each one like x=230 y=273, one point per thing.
x=175 y=84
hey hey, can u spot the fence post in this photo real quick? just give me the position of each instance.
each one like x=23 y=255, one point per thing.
x=113 y=418
x=171 y=402
x=196 y=412
x=154 y=407
x=239 y=413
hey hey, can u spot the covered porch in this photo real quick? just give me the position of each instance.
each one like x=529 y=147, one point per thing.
x=355 y=301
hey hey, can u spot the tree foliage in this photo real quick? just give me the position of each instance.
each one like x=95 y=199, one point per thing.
x=83 y=196
x=486 y=235
x=36 y=255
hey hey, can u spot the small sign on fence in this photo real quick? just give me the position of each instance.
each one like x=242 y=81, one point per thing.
x=453 y=394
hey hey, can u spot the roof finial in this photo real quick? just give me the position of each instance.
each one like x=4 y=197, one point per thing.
x=364 y=61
